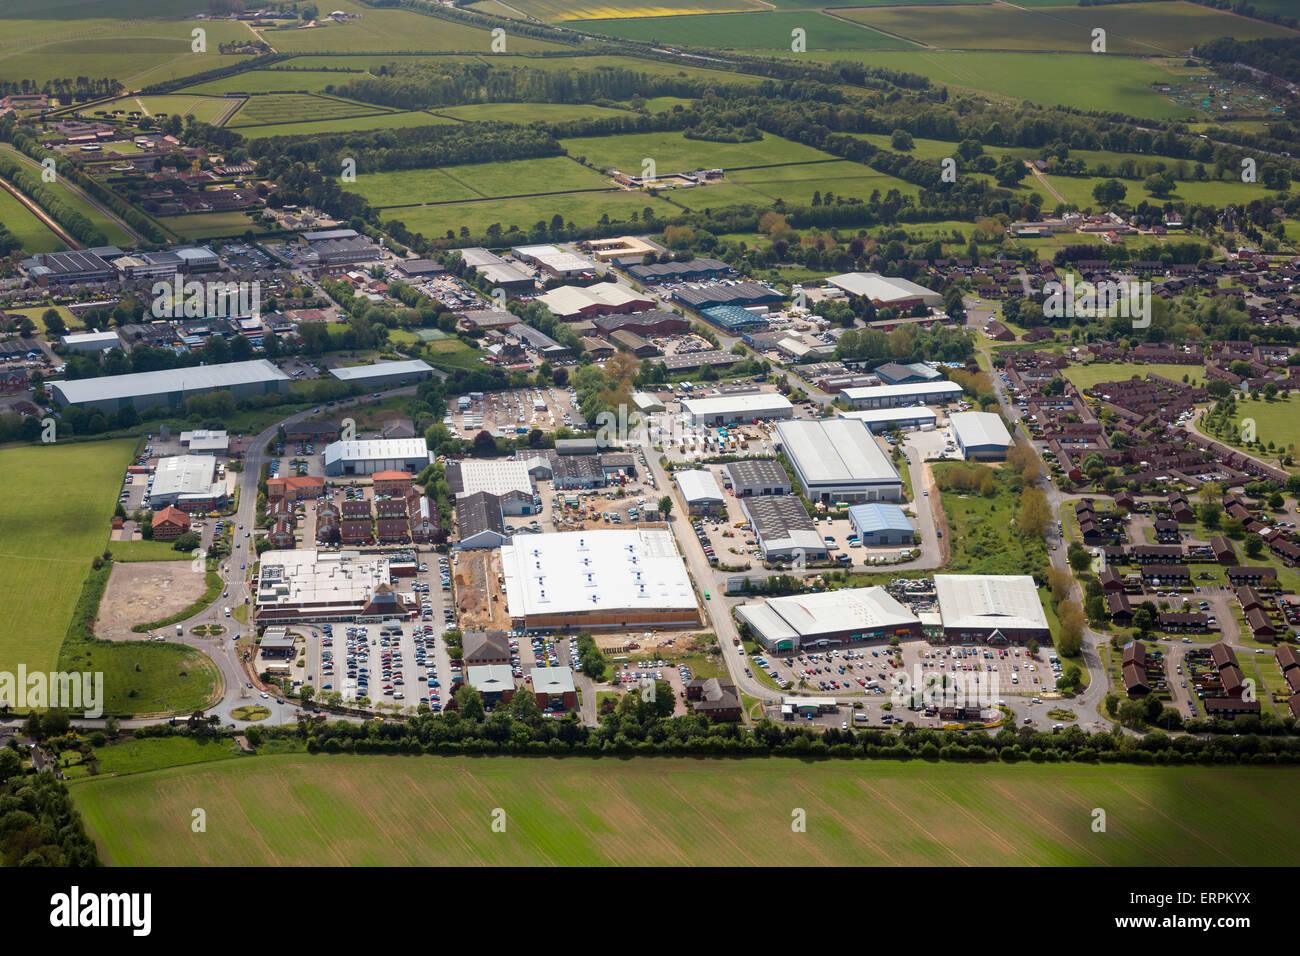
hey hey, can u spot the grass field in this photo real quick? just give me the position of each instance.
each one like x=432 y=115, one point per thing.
x=1086 y=376
x=1078 y=190
x=476 y=181
x=273 y=81
x=1148 y=29
x=128 y=551
x=276 y=811
x=1053 y=79
x=527 y=112
x=27 y=229
x=116 y=234
x=381 y=30
x=58 y=500
x=434 y=221
x=283 y=108
x=352 y=124
x=672 y=152
x=794 y=184
x=1277 y=421
x=206 y=108
x=556 y=11
x=209 y=225
x=748 y=31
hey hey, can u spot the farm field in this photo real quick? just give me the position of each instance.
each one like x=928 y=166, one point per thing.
x=1140 y=28
x=748 y=31
x=273 y=81
x=526 y=112
x=26 y=228
x=1053 y=79
x=476 y=181
x=351 y=124
x=672 y=152
x=794 y=184
x=58 y=501
x=579 y=208
x=1086 y=376
x=668 y=812
x=115 y=234
x=297 y=108
x=206 y=108
x=558 y=11
x=381 y=30
x=209 y=225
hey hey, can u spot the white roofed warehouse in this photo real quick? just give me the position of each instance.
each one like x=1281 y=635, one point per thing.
x=605 y=579
x=838 y=459
x=901 y=396
x=886 y=291
x=701 y=492
x=993 y=608
x=381 y=454
x=980 y=436
x=828 y=618
x=732 y=409
x=382 y=374
x=170 y=387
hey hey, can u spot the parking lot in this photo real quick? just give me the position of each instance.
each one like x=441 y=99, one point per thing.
x=515 y=412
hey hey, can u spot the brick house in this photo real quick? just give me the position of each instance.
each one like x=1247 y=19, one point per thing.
x=169 y=524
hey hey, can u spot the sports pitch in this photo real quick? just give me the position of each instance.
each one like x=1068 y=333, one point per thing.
x=299 y=810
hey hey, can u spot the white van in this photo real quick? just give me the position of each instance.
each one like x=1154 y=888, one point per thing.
x=227 y=611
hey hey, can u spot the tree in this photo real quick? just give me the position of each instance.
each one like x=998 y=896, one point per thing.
x=1254 y=545
x=1109 y=192
x=469 y=703
x=1060 y=582
x=1031 y=647
x=187 y=542
x=1070 y=641
x=1078 y=556
x=666 y=505
x=524 y=708
x=53 y=322
x=900 y=140
x=1133 y=714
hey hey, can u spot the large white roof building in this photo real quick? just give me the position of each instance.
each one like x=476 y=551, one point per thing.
x=183 y=479
x=603 y=578
x=980 y=434
x=494 y=477
x=170 y=386
x=910 y=393
x=379 y=454
x=885 y=290
x=384 y=373
x=992 y=607
x=730 y=409
x=838 y=459
x=829 y=617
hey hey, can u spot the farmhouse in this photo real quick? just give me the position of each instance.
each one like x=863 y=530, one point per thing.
x=837 y=459
x=597 y=579
x=787 y=624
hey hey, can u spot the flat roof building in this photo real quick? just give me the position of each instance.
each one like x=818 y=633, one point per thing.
x=730 y=409
x=384 y=373
x=886 y=291
x=170 y=387
x=783 y=529
x=497 y=271
x=980 y=436
x=837 y=459
x=325 y=586
x=993 y=608
x=186 y=482
x=91 y=341
x=554 y=261
x=828 y=618
x=571 y=302
x=895 y=396
x=881 y=419
x=204 y=442
x=881 y=523
x=758 y=476
x=379 y=454
x=598 y=579
x=700 y=491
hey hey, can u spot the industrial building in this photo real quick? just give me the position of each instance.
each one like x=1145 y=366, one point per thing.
x=886 y=291
x=708 y=294
x=325 y=586
x=616 y=578
x=730 y=409
x=571 y=302
x=186 y=482
x=554 y=261
x=381 y=374
x=91 y=341
x=892 y=373
x=654 y=322
x=993 y=608
x=497 y=271
x=882 y=419
x=828 y=618
x=881 y=523
x=758 y=476
x=783 y=529
x=480 y=521
x=700 y=492
x=73 y=268
x=980 y=436
x=170 y=387
x=505 y=479
x=204 y=442
x=379 y=454
x=838 y=459
x=690 y=270
x=541 y=343
x=897 y=396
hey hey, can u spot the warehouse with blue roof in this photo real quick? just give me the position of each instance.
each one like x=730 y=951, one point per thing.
x=881 y=523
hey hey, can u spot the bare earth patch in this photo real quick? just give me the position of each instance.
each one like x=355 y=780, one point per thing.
x=143 y=591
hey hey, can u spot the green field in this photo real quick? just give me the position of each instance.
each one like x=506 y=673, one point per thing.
x=673 y=153
x=58 y=500
x=1078 y=190
x=551 y=174
x=579 y=208
x=209 y=109
x=1277 y=421
x=794 y=184
x=27 y=229
x=1148 y=29
x=352 y=124
x=273 y=81
x=116 y=234
x=1086 y=376
x=295 y=810
x=128 y=551
x=556 y=11
x=528 y=112
x=209 y=225
x=268 y=108
x=748 y=31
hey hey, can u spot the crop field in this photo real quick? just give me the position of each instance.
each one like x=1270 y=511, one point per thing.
x=1086 y=376
x=527 y=112
x=579 y=208
x=795 y=184
x=557 y=11
x=209 y=109
x=674 y=153
x=1139 y=28
x=273 y=81
x=26 y=228
x=351 y=124
x=58 y=502
x=276 y=811
x=748 y=31
x=476 y=181
x=281 y=108
x=382 y=30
